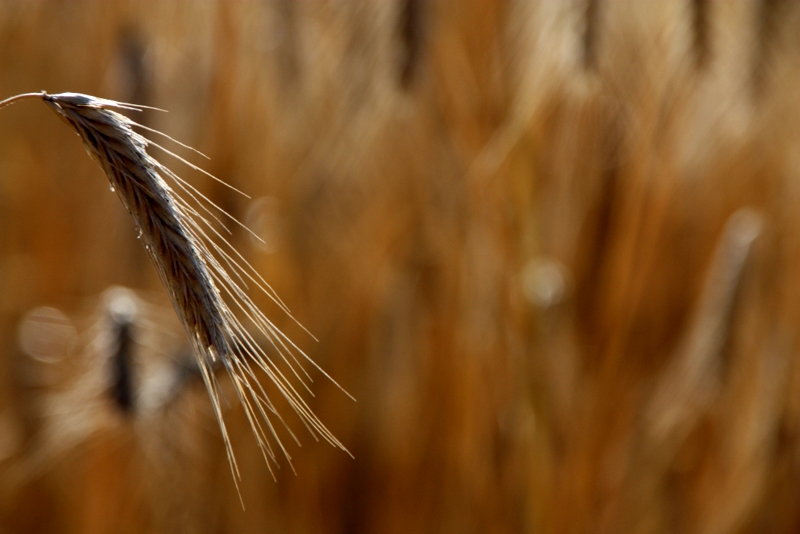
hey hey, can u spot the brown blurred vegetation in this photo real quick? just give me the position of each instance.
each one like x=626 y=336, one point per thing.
x=552 y=248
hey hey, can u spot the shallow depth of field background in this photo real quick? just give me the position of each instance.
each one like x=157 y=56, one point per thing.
x=551 y=248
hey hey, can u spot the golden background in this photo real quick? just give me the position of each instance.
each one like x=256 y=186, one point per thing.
x=551 y=248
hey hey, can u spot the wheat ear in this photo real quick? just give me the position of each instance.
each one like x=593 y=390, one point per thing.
x=192 y=267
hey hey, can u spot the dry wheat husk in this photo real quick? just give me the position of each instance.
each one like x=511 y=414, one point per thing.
x=197 y=272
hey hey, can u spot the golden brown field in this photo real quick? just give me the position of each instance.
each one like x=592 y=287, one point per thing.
x=551 y=248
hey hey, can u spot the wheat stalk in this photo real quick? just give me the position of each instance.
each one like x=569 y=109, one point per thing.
x=193 y=268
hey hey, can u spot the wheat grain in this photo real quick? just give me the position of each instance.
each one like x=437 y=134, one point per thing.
x=192 y=266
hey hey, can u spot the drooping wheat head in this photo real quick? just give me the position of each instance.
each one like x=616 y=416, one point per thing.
x=201 y=276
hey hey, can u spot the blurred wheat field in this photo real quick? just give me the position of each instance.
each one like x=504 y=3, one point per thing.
x=550 y=248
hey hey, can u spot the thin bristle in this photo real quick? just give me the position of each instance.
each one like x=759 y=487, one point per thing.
x=190 y=265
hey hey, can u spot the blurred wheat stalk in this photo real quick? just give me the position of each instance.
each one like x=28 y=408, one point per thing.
x=197 y=272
